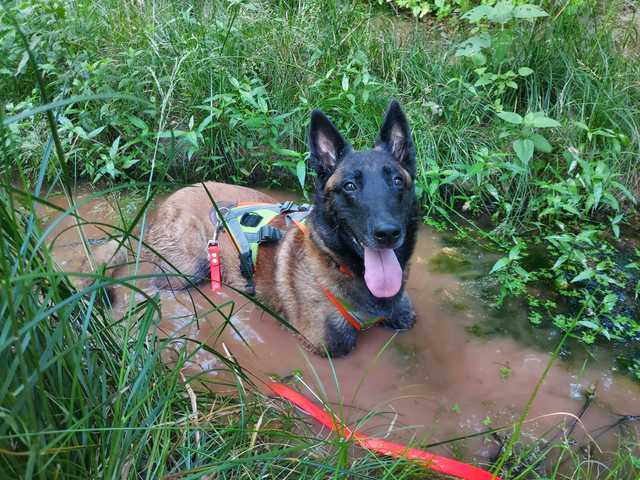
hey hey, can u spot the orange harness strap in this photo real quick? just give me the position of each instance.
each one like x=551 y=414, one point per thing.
x=343 y=311
x=345 y=270
x=301 y=226
x=333 y=299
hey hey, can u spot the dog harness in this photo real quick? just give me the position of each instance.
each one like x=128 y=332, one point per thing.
x=248 y=225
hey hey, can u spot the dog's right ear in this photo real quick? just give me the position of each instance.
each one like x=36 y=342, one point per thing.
x=326 y=145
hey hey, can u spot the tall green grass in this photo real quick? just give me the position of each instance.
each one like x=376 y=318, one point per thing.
x=230 y=85
x=86 y=395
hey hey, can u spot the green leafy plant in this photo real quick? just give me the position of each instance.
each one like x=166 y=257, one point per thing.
x=563 y=192
x=526 y=130
x=420 y=8
x=484 y=39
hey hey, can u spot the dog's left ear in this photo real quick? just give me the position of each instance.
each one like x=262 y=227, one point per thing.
x=395 y=138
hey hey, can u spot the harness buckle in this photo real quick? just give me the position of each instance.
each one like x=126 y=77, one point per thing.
x=287 y=206
x=268 y=234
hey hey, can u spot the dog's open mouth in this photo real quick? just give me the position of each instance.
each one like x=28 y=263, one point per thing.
x=382 y=271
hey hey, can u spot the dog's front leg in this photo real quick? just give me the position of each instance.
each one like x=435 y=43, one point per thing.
x=340 y=337
x=403 y=316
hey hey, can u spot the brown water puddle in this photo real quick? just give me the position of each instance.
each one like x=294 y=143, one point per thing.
x=430 y=384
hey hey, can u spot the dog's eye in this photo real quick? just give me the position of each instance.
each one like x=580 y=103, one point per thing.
x=349 y=187
x=397 y=181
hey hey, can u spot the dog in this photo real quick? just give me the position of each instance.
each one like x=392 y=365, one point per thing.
x=348 y=264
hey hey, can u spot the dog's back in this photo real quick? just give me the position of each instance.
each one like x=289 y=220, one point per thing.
x=175 y=242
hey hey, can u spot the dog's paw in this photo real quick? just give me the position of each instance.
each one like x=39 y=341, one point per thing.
x=340 y=338
x=403 y=316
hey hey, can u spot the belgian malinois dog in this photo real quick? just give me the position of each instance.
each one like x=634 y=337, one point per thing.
x=356 y=244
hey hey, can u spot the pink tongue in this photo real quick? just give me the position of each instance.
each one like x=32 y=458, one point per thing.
x=382 y=272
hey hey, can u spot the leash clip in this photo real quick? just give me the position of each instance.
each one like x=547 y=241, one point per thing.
x=216 y=231
x=214 y=240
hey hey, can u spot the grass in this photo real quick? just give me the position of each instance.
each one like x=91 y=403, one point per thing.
x=174 y=92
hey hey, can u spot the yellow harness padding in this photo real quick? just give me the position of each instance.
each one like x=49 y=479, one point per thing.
x=252 y=233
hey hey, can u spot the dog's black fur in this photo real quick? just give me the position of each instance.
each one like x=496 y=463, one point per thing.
x=371 y=201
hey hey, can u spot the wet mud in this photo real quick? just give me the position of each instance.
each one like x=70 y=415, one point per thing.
x=445 y=378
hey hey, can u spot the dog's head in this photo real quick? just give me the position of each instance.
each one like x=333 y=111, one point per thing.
x=365 y=201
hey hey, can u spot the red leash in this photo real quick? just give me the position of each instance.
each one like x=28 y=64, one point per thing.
x=427 y=460
x=214 y=266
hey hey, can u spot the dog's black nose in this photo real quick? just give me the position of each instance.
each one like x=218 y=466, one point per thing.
x=386 y=234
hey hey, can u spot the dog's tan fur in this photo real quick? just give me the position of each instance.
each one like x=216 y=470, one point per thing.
x=290 y=275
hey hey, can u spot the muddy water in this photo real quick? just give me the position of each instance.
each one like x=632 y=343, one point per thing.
x=433 y=383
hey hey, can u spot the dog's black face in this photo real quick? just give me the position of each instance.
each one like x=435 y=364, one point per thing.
x=365 y=205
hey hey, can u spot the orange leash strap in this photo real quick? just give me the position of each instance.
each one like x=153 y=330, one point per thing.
x=428 y=460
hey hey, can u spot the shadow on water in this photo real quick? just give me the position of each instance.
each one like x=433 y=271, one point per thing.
x=463 y=368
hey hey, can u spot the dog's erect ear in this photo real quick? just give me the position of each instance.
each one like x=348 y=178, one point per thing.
x=326 y=145
x=395 y=138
